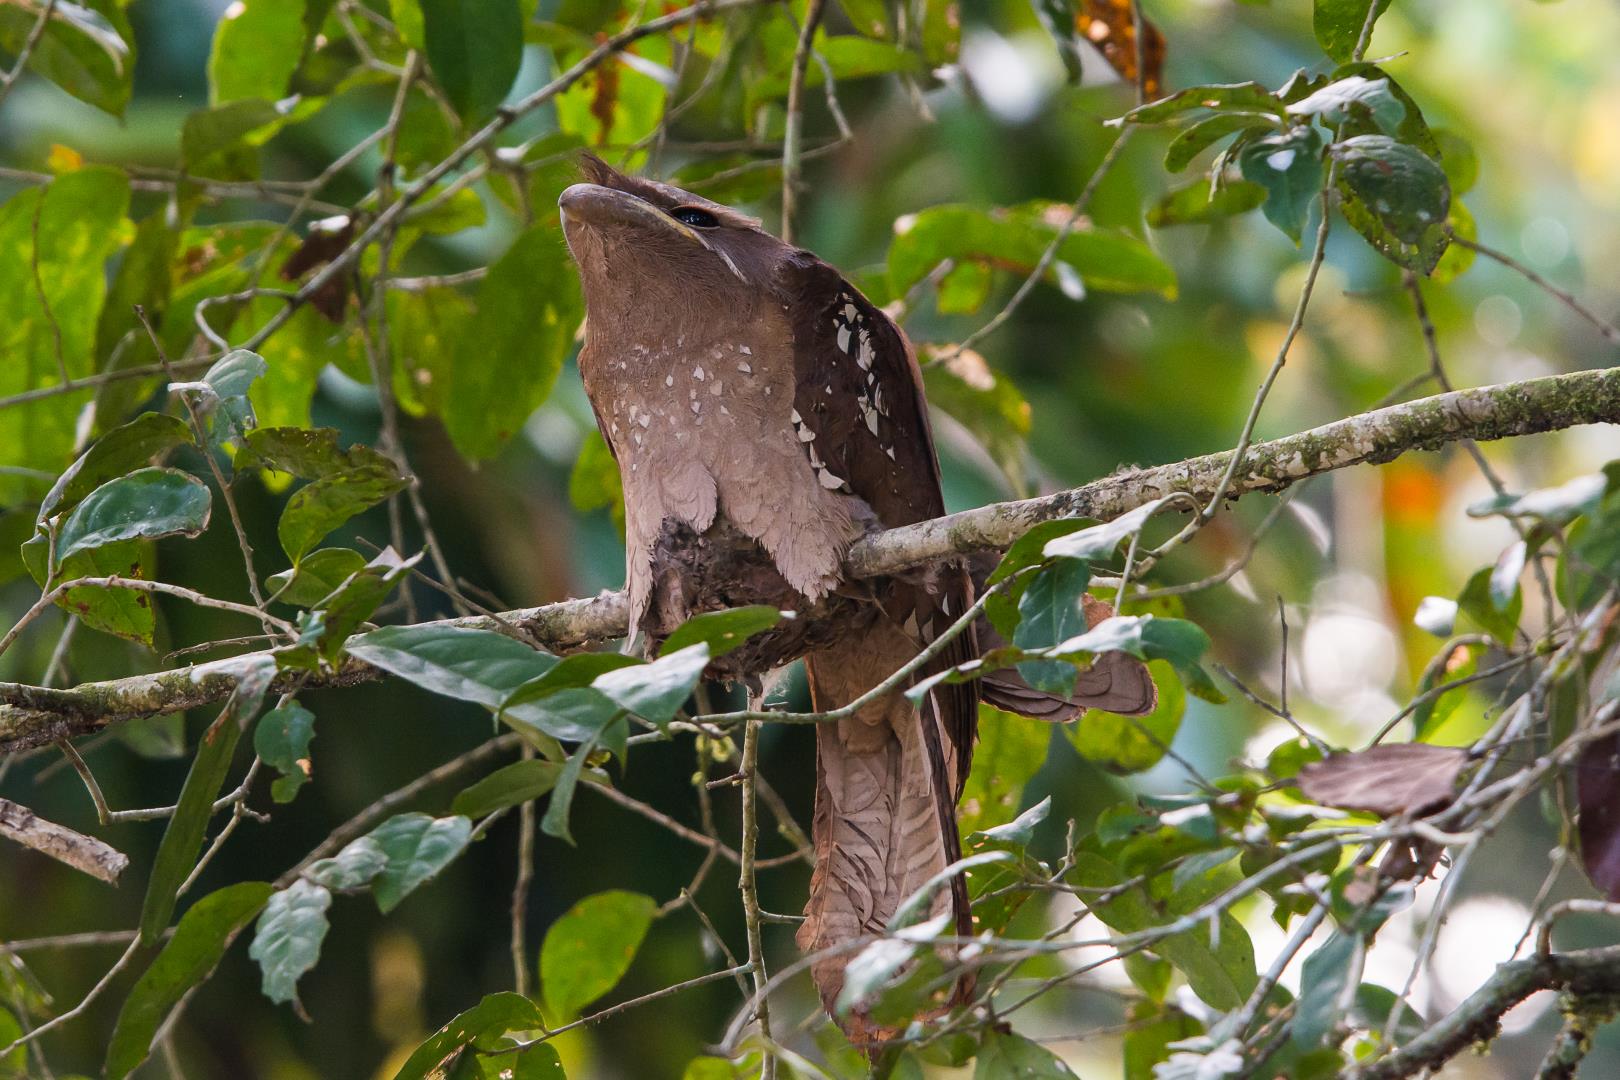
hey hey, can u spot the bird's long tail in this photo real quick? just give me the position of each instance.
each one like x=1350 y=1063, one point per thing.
x=885 y=819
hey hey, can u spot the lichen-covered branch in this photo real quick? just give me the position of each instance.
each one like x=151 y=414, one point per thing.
x=1588 y=973
x=32 y=716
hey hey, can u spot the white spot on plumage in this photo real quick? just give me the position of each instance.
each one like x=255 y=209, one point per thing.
x=697 y=407
x=797 y=419
x=644 y=419
x=828 y=480
x=890 y=451
x=669 y=380
x=865 y=357
x=871 y=417
x=715 y=389
x=745 y=368
x=745 y=350
x=843 y=339
x=697 y=373
x=849 y=311
x=805 y=434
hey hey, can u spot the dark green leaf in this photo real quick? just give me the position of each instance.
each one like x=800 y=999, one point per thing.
x=339 y=614
x=282 y=741
x=144 y=505
x=257 y=46
x=1338 y=24
x=657 y=690
x=183 y=838
x=1152 y=1029
x=1323 y=985
x=1100 y=541
x=124 y=612
x=472 y=665
x=1005 y=1056
x=316 y=577
x=1242 y=97
x=516 y=783
x=287 y=941
x=493 y=1017
x=475 y=48
x=1336 y=103
x=587 y=951
x=1196 y=205
x=1208 y=131
x=1396 y=197
x=186 y=960
x=721 y=631
x=1289 y=166
x=1050 y=611
x=230 y=411
x=122 y=450
x=321 y=506
x=307 y=453
x=417 y=847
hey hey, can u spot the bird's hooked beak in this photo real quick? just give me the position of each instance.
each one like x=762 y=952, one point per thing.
x=595 y=205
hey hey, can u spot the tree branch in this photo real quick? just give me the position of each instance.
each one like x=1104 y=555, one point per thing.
x=32 y=716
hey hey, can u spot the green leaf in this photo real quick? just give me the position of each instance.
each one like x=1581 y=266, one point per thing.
x=506 y=359
x=721 y=631
x=337 y=615
x=1058 y=19
x=1100 y=541
x=91 y=58
x=1006 y=1056
x=1015 y=239
x=54 y=241
x=472 y=665
x=307 y=453
x=1153 y=1027
x=1396 y=197
x=1128 y=744
x=474 y=48
x=354 y=867
x=282 y=741
x=1476 y=601
x=1338 y=25
x=1247 y=97
x=316 y=576
x=125 y=612
x=516 y=783
x=257 y=47
x=1339 y=101
x=287 y=941
x=417 y=847
x=555 y=820
x=1010 y=752
x=144 y=505
x=849 y=57
x=223 y=142
x=587 y=951
x=1327 y=973
x=1457 y=157
x=1195 y=204
x=1052 y=610
x=120 y=451
x=594 y=483
x=491 y=1018
x=657 y=690
x=1221 y=972
x=15 y=1063
x=537 y=1062
x=1207 y=132
x=186 y=960
x=231 y=413
x=322 y=505
x=183 y=838
x=987 y=404
x=1289 y=166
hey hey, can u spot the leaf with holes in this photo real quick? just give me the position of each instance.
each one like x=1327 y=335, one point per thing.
x=282 y=741
x=587 y=951
x=1396 y=197
x=287 y=941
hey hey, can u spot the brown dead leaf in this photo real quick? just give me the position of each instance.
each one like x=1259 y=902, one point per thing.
x=1110 y=26
x=1403 y=778
x=321 y=246
x=1597 y=794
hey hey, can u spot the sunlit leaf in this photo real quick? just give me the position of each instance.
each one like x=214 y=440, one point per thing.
x=474 y=48
x=588 y=950
x=257 y=46
x=721 y=631
x=1338 y=24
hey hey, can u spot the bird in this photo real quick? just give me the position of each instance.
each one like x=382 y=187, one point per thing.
x=765 y=415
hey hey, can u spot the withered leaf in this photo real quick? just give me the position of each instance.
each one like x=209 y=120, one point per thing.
x=320 y=247
x=1109 y=25
x=1402 y=778
x=1597 y=793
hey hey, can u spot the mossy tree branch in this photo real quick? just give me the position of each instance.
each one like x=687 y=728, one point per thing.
x=32 y=716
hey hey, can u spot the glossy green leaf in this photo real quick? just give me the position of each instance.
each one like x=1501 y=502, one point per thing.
x=1338 y=24
x=472 y=665
x=337 y=615
x=587 y=951
x=1101 y=541
x=721 y=631
x=144 y=505
x=183 y=838
x=1052 y=610
x=516 y=783
x=230 y=410
x=257 y=46
x=117 y=453
x=656 y=691
x=186 y=960
x=316 y=577
x=417 y=847
x=474 y=48
x=282 y=741
x=1396 y=197
x=287 y=941
x=1339 y=101
x=54 y=240
x=491 y=1018
x=322 y=505
x=537 y=1062
x=1289 y=166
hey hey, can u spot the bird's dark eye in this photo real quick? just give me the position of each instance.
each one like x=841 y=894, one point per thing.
x=695 y=216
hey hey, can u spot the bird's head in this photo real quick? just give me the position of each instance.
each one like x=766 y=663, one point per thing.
x=640 y=243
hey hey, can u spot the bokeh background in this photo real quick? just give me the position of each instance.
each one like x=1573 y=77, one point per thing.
x=1534 y=88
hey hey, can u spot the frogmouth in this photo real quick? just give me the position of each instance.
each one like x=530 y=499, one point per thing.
x=765 y=415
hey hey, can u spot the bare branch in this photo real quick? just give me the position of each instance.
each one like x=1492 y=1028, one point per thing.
x=83 y=853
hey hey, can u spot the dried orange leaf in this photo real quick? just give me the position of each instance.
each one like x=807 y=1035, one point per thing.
x=1109 y=25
